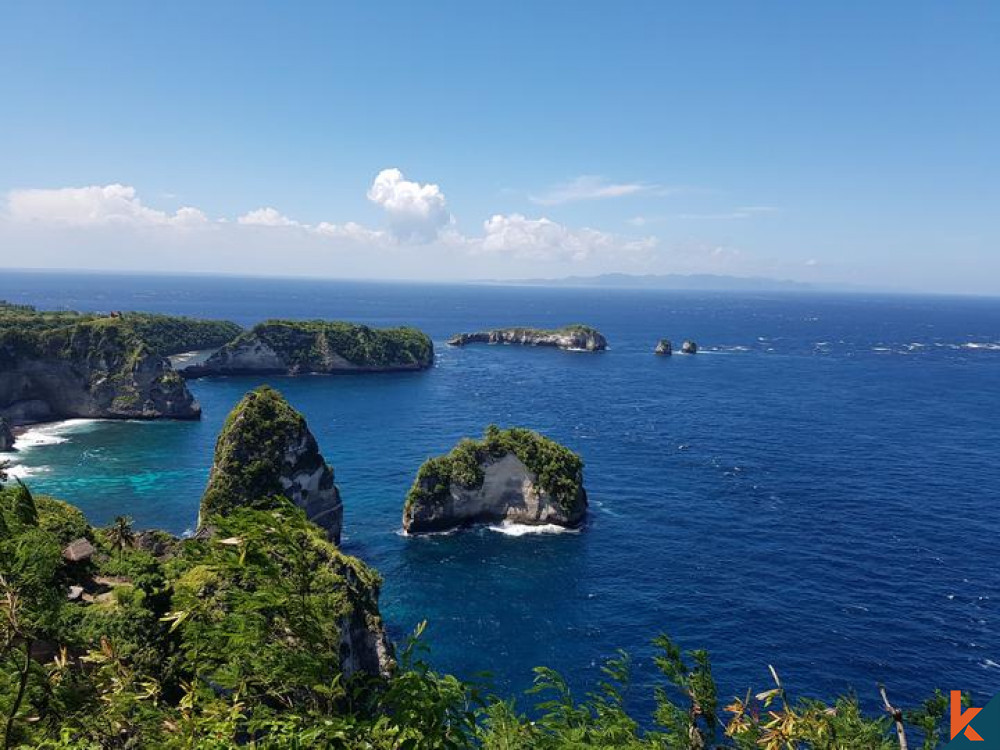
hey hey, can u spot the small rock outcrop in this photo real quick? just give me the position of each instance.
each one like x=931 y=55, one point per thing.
x=290 y=347
x=79 y=550
x=664 y=347
x=689 y=347
x=512 y=476
x=6 y=436
x=574 y=338
x=267 y=450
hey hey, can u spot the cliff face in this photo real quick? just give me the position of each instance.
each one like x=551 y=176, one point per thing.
x=513 y=476
x=6 y=436
x=577 y=338
x=298 y=347
x=266 y=449
x=89 y=369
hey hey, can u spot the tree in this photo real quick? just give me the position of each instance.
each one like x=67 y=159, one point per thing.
x=120 y=535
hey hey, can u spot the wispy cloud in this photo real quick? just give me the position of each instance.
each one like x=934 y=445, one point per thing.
x=588 y=188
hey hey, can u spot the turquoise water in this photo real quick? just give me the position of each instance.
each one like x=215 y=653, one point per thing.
x=817 y=490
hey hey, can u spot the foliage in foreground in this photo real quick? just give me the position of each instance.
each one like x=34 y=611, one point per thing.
x=233 y=642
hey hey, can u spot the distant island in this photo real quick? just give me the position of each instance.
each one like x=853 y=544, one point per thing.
x=572 y=337
x=693 y=282
x=292 y=347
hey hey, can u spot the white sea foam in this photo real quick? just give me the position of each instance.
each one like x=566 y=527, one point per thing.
x=23 y=472
x=520 y=529
x=446 y=532
x=988 y=346
x=52 y=434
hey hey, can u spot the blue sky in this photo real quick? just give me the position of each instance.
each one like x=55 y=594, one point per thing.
x=843 y=141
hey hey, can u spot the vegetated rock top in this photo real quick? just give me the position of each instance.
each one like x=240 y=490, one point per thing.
x=514 y=475
x=319 y=346
x=266 y=450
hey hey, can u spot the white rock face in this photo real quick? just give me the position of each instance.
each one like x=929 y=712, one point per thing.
x=309 y=484
x=510 y=493
x=251 y=354
x=574 y=339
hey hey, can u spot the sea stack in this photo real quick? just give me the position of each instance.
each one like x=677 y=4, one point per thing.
x=689 y=347
x=510 y=476
x=266 y=450
x=573 y=338
x=664 y=347
x=6 y=436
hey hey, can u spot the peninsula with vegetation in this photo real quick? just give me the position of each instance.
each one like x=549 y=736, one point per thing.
x=60 y=365
x=572 y=337
x=512 y=476
x=57 y=365
x=290 y=347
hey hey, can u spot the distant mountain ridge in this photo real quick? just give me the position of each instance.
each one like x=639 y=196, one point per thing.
x=695 y=282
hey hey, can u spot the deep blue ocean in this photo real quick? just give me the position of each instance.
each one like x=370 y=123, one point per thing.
x=817 y=490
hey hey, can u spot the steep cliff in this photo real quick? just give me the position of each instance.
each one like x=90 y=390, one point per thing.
x=93 y=368
x=6 y=436
x=298 y=347
x=513 y=476
x=574 y=337
x=266 y=449
x=266 y=456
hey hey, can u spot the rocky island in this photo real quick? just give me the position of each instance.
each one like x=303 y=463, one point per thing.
x=664 y=347
x=290 y=347
x=57 y=365
x=573 y=338
x=513 y=476
x=266 y=450
x=689 y=347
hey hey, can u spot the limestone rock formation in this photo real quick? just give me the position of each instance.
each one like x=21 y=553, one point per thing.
x=91 y=369
x=689 y=347
x=266 y=450
x=574 y=337
x=664 y=347
x=299 y=347
x=512 y=476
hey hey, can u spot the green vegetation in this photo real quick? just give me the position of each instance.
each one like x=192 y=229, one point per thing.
x=54 y=331
x=559 y=470
x=311 y=345
x=235 y=641
x=248 y=450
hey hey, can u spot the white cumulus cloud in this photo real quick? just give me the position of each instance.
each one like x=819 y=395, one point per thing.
x=94 y=205
x=267 y=217
x=544 y=239
x=415 y=211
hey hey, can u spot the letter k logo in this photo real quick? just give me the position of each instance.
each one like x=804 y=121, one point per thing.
x=960 y=720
